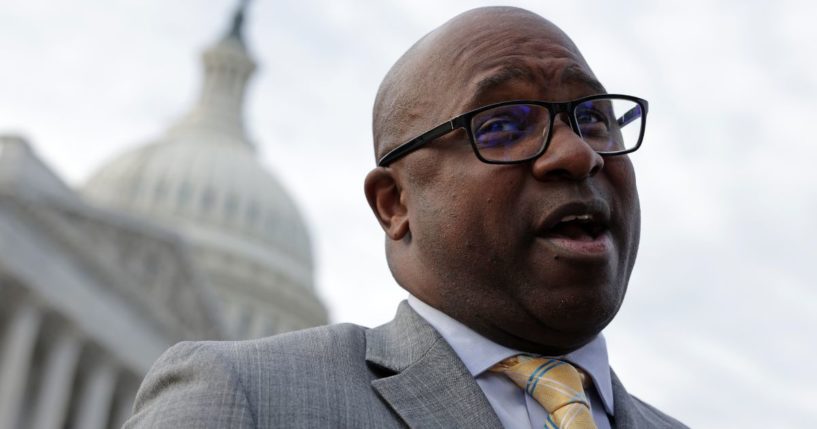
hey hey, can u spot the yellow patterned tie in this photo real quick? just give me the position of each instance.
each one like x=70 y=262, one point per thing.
x=556 y=385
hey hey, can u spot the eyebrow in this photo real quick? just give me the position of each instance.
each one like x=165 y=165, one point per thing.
x=505 y=74
x=571 y=74
x=575 y=74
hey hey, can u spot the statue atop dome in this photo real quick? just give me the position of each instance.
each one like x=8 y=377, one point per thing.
x=219 y=112
x=238 y=20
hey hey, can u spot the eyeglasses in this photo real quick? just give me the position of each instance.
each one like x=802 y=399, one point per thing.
x=517 y=131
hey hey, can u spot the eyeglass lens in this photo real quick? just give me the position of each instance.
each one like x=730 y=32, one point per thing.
x=518 y=131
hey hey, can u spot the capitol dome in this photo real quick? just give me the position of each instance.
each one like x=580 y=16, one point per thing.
x=212 y=188
x=203 y=178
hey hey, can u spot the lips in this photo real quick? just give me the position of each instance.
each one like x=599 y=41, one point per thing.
x=580 y=228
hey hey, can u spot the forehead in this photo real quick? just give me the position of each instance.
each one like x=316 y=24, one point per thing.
x=552 y=80
x=491 y=55
x=480 y=57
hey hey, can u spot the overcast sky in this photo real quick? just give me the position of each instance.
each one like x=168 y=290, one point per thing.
x=720 y=321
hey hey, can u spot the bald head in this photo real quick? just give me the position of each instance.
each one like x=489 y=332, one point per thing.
x=413 y=95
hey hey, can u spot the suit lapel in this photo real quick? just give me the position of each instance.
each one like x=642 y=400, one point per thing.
x=626 y=416
x=426 y=384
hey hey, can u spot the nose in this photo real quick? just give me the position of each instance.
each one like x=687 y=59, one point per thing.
x=567 y=156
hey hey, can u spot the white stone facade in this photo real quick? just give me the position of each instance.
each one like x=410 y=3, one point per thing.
x=88 y=299
x=188 y=237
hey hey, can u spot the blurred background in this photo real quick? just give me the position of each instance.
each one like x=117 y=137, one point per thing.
x=140 y=205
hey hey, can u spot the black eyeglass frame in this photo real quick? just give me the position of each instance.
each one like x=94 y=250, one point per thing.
x=464 y=121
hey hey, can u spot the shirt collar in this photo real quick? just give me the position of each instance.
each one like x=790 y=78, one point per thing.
x=479 y=353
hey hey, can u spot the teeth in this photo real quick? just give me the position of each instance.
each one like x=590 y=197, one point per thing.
x=582 y=218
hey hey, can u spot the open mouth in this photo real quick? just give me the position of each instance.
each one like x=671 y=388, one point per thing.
x=581 y=227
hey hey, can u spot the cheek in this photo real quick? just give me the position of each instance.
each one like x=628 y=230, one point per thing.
x=623 y=187
x=471 y=220
x=621 y=175
x=490 y=208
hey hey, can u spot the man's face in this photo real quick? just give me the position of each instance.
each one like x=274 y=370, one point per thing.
x=508 y=249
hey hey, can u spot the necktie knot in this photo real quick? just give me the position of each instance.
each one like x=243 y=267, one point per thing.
x=553 y=383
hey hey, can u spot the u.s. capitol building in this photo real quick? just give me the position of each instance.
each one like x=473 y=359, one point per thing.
x=186 y=237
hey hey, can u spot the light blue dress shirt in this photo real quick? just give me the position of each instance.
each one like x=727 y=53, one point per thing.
x=514 y=408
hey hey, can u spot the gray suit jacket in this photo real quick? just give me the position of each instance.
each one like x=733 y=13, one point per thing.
x=396 y=375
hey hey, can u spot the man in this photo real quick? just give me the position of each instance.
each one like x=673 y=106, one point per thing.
x=514 y=226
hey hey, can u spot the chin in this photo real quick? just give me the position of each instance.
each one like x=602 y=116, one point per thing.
x=551 y=345
x=537 y=333
x=585 y=319
x=570 y=324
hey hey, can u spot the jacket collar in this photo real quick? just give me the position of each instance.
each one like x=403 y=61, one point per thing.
x=626 y=413
x=426 y=384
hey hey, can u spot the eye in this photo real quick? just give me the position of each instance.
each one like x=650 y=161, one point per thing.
x=587 y=117
x=499 y=132
x=500 y=125
x=593 y=122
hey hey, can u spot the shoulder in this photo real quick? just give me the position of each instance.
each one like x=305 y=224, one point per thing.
x=334 y=348
x=191 y=385
x=345 y=338
x=241 y=358
x=332 y=345
x=233 y=383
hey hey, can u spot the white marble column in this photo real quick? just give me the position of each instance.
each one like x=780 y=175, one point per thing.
x=95 y=400
x=57 y=380
x=17 y=351
x=124 y=403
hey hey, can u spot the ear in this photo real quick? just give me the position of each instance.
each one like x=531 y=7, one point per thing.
x=385 y=197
